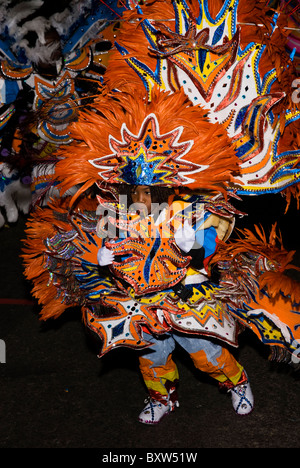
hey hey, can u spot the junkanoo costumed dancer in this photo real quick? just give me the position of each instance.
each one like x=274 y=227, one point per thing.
x=191 y=103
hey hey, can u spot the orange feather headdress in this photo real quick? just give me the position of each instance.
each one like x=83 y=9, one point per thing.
x=164 y=141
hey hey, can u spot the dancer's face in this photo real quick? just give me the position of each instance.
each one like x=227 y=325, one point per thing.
x=142 y=194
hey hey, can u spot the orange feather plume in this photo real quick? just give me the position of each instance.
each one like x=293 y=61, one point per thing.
x=277 y=281
x=42 y=224
x=211 y=147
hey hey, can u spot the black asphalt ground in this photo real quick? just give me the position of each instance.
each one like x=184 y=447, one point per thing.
x=56 y=393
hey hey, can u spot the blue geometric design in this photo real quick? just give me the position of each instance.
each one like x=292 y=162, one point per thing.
x=118 y=329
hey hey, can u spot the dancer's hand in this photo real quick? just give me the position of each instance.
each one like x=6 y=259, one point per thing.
x=185 y=237
x=105 y=256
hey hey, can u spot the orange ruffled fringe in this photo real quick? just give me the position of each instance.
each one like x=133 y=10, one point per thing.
x=277 y=281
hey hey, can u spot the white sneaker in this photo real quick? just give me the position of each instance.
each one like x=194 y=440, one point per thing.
x=242 y=398
x=154 y=411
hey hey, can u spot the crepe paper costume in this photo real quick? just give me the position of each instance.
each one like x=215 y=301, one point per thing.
x=255 y=270
x=53 y=57
x=154 y=142
x=61 y=259
x=237 y=138
x=62 y=262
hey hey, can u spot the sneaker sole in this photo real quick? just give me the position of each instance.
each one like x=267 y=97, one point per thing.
x=153 y=423
x=245 y=414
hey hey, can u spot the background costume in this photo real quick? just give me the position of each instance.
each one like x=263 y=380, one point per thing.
x=199 y=97
x=52 y=58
